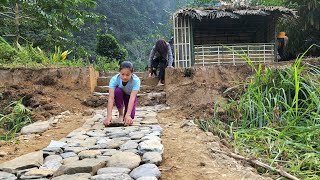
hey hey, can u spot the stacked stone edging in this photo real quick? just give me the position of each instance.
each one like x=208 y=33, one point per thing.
x=97 y=153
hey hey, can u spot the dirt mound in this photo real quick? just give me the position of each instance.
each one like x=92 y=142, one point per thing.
x=197 y=90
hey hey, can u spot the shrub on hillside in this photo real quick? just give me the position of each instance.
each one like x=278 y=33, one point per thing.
x=6 y=51
x=108 y=46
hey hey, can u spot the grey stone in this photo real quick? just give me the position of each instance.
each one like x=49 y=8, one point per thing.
x=88 y=142
x=42 y=173
x=124 y=159
x=96 y=133
x=111 y=177
x=22 y=172
x=79 y=136
x=75 y=149
x=136 y=135
x=57 y=158
x=98 y=146
x=89 y=154
x=109 y=170
x=157 y=138
x=70 y=160
x=55 y=150
x=113 y=144
x=103 y=140
x=37 y=127
x=52 y=165
x=82 y=166
x=129 y=145
x=7 y=176
x=152 y=158
x=34 y=159
x=68 y=154
x=150 y=146
x=110 y=152
x=147 y=178
x=145 y=170
x=79 y=176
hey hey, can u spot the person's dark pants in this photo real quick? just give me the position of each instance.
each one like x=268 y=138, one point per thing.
x=123 y=99
x=160 y=63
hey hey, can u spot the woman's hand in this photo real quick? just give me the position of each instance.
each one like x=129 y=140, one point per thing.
x=107 y=121
x=150 y=70
x=128 y=120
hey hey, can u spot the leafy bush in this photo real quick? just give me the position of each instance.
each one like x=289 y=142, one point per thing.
x=13 y=122
x=108 y=46
x=277 y=119
x=6 y=51
x=106 y=64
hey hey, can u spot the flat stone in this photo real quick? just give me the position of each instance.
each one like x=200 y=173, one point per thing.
x=37 y=127
x=110 y=152
x=109 y=170
x=39 y=173
x=56 y=150
x=150 y=146
x=157 y=138
x=149 y=121
x=83 y=166
x=111 y=177
x=68 y=154
x=147 y=178
x=129 y=145
x=79 y=176
x=96 y=133
x=7 y=176
x=113 y=144
x=75 y=149
x=79 y=136
x=34 y=159
x=88 y=142
x=152 y=158
x=136 y=135
x=145 y=170
x=57 y=158
x=89 y=154
x=70 y=160
x=124 y=159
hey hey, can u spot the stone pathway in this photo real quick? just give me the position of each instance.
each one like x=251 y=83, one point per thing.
x=97 y=153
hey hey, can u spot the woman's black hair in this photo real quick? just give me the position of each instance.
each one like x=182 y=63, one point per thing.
x=126 y=64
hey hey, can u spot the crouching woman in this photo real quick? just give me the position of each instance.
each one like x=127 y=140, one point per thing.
x=123 y=90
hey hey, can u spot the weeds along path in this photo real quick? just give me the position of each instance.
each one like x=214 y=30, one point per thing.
x=187 y=156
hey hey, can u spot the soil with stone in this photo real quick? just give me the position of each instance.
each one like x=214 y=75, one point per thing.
x=185 y=155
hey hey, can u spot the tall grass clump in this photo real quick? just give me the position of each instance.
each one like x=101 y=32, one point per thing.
x=277 y=119
x=13 y=122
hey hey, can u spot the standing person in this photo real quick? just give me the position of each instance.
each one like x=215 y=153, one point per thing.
x=160 y=57
x=123 y=89
x=282 y=40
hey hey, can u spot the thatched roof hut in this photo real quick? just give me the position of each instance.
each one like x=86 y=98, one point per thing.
x=214 y=35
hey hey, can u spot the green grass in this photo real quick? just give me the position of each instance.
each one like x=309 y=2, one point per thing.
x=277 y=119
x=13 y=122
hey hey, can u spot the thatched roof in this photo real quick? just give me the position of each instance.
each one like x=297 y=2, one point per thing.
x=235 y=12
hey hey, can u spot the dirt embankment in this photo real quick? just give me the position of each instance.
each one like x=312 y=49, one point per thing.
x=196 y=90
x=47 y=91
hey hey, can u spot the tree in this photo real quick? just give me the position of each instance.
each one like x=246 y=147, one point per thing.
x=44 y=23
x=108 y=46
x=303 y=31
